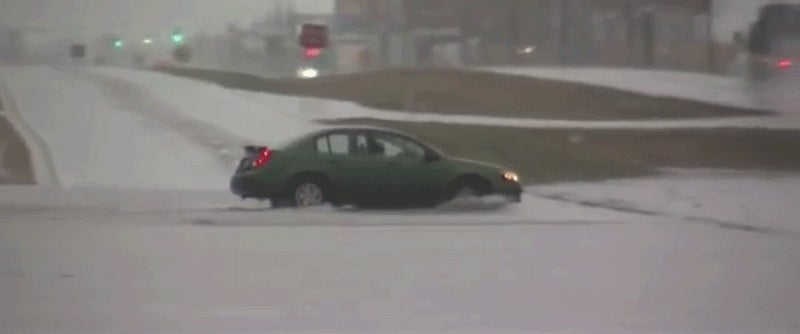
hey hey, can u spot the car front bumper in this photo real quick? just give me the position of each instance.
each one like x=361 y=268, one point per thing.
x=511 y=191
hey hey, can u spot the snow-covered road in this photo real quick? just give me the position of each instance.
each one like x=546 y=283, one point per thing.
x=689 y=252
x=246 y=271
x=93 y=140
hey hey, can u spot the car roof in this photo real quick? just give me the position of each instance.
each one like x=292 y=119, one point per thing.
x=332 y=128
x=328 y=129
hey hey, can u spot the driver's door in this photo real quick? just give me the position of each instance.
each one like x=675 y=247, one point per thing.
x=404 y=171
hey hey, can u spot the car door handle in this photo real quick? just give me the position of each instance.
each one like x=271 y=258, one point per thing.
x=335 y=162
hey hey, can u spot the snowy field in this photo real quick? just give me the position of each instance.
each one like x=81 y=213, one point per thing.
x=717 y=89
x=145 y=238
x=309 y=109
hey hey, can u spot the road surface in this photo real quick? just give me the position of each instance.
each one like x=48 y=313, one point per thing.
x=101 y=256
x=249 y=269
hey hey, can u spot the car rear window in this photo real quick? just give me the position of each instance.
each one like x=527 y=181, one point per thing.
x=322 y=145
x=339 y=144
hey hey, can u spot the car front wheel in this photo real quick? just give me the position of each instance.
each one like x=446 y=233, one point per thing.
x=470 y=188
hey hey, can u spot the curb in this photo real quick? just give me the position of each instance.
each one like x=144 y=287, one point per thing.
x=43 y=166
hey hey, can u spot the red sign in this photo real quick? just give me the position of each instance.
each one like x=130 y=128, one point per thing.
x=312 y=52
x=313 y=36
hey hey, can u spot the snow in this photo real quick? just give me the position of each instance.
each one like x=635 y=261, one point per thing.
x=761 y=201
x=717 y=89
x=319 y=109
x=266 y=123
x=520 y=269
x=690 y=85
x=95 y=142
x=257 y=115
x=145 y=238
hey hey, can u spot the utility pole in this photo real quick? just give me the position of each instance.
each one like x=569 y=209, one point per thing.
x=563 y=34
x=629 y=31
x=514 y=40
x=712 y=52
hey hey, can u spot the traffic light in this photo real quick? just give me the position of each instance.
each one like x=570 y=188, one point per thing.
x=119 y=44
x=177 y=36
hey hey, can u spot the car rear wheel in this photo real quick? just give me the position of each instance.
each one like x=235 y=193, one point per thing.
x=308 y=194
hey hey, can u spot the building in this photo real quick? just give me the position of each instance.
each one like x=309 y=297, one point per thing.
x=648 y=33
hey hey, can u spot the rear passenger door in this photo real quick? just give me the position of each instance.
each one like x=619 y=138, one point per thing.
x=350 y=171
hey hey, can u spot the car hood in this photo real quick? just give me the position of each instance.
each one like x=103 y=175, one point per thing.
x=478 y=164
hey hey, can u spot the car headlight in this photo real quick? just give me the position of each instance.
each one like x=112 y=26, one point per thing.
x=511 y=176
x=307 y=72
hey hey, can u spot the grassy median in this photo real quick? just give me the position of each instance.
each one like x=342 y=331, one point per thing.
x=543 y=155
x=474 y=93
x=559 y=155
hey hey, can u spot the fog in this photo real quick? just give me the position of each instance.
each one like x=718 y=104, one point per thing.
x=130 y=17
x=136 y=18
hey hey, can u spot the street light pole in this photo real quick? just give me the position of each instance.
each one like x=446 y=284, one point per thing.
x=562 y=31
x=629 y=31
x=712 y=54
x=513 y=21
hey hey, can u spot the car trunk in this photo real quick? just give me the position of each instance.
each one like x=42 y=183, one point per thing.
x=255 y=157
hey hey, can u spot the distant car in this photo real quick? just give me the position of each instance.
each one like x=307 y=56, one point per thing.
x=364 y=167
x=774 y=42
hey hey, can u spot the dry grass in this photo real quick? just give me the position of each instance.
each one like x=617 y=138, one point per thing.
x=557 y=155
x=475 y=93
x=15 y=158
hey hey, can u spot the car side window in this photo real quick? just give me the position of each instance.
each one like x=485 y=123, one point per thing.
x=392 y=146
x=322 y=145
x=362 y=145
x=339 y=143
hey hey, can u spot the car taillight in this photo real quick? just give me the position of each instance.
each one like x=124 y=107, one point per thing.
x=264 y=155
x=784 y=63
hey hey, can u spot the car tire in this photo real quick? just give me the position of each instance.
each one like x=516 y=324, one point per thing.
x=308 y=191
x=308 y=194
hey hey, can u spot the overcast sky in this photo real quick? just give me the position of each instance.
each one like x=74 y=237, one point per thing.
x=141 y=17
x=151 y=17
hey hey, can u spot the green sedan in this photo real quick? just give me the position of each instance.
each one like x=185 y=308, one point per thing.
x=364 y=167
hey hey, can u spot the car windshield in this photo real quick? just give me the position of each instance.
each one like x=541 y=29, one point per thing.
x=788 y=47
x=400 y=166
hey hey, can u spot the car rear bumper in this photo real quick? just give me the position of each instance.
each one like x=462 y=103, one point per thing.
x=250 y=186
